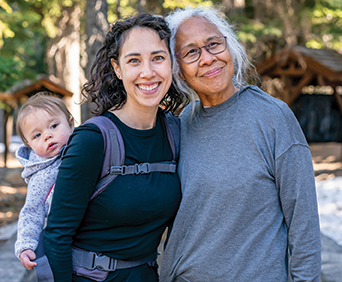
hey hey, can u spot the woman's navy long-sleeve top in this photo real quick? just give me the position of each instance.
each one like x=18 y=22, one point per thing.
x=127 y=220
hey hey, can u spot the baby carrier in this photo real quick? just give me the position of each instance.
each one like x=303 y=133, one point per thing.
x=113 y=165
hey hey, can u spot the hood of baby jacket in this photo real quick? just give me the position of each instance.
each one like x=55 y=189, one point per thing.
x=32 y=162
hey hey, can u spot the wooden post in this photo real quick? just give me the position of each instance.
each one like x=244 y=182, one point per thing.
x=306 y=79
x=338 y=99
x=7 y=115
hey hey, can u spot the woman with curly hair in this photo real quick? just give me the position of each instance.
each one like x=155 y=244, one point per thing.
x=115 y=236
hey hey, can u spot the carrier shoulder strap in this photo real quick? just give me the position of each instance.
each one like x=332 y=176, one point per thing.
x=114 y=152
x=173 y=133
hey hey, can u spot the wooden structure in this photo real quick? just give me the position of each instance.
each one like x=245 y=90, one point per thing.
x=15 y=98
x=291 y=70
x=297 y=67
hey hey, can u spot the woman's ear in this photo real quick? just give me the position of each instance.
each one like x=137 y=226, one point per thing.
x=116 y=68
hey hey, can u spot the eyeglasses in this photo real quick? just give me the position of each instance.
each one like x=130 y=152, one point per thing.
x=191 y=54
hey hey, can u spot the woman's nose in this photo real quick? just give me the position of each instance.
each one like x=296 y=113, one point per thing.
x=147 y=71
x=206 y=58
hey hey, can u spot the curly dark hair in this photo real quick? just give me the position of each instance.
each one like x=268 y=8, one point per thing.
x=104 y=88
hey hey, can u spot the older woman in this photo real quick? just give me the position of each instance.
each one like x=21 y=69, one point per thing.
x=247 y=179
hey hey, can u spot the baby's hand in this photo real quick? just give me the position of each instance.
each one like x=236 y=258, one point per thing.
x=26 y=258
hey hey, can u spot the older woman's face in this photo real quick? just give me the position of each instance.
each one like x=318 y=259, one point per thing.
x=211 y=75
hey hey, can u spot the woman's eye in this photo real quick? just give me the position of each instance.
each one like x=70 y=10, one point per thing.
x=191 y=52
x=158 y=58
x=133 y=61
x=212 y=44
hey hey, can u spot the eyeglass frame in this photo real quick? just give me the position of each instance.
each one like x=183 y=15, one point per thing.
x=206 y=48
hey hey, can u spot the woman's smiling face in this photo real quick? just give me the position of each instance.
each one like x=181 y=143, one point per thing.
x=211 y=75
x=144 y=67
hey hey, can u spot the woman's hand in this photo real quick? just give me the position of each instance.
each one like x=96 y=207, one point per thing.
x=26 y=259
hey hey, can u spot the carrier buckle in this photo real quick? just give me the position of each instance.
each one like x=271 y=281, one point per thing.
x=142 y=168
x=103 y=262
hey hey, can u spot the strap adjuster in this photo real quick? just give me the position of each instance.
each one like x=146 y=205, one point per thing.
x=120 y=169
x=103 y=262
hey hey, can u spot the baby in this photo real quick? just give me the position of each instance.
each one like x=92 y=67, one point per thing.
x=44 y=124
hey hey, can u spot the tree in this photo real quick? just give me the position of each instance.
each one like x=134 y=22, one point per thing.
x=326 y=25
x=22 y=42
x=63 y=53
x=96 y=29
x=30 y=29
x=268 y=26
x=5 y=31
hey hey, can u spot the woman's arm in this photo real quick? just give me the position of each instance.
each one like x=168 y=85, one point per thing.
x=296 y=182
x=78 y=174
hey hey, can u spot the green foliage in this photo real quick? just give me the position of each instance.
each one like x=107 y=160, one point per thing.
x=254 y=30
x=326 y=17
x=173 y=4
x=314 y=23
x=24 y=50
x=5 y=31
x=10 y=72
x=23 y=39
x=127 y=8
x=130 y=7
x=26 y=26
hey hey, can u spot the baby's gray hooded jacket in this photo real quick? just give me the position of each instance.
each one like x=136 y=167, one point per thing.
x=40 y=174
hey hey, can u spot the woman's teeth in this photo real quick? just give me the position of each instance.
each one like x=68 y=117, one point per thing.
x=148 y=88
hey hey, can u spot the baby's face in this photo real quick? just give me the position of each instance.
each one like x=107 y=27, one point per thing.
x=46 y=134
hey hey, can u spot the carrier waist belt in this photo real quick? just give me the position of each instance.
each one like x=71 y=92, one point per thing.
x=93 y=260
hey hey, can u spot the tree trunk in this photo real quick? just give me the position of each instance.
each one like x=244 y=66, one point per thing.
x=118 y=9
x=233 y=7
x=6 y=117
x=96 y=30
x=141 y=6
x=63 y=56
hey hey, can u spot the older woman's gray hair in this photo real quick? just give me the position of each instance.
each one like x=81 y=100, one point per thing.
x=242 y=65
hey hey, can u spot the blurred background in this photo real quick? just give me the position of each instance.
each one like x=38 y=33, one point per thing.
x=296 y=46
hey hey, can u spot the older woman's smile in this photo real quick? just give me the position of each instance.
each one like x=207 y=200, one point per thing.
x=213 y=72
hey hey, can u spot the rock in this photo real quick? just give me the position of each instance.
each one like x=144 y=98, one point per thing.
x=331 y=260
x=8 y=231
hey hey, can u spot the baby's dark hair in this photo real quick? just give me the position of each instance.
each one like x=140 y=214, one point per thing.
x=45 y=101
x=103 y=87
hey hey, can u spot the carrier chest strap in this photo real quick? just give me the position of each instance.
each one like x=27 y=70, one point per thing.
x=114 y=152
x=144 y=168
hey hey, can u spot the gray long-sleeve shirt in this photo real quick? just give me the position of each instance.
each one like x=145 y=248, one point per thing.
x=248 y=195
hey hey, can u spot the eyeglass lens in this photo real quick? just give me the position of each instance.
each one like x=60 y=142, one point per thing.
x=192 y=54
